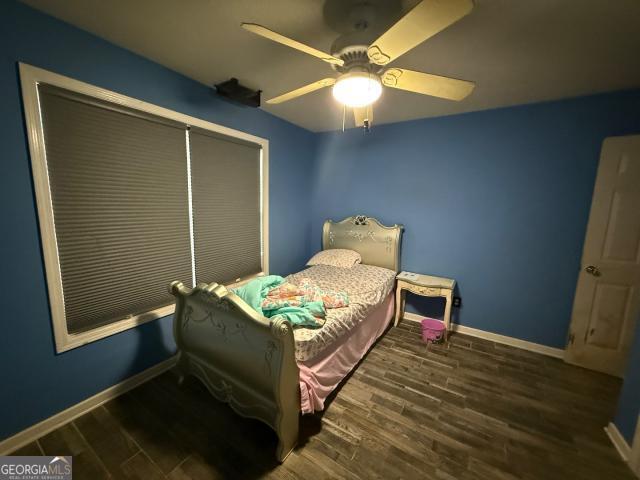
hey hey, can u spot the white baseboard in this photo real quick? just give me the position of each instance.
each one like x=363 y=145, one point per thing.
x=494 y=337
x=34 y=432
x=618 y=441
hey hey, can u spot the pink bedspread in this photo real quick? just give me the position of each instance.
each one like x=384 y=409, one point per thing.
x=322 y=374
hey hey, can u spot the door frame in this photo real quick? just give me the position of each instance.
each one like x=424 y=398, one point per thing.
x=634 y=456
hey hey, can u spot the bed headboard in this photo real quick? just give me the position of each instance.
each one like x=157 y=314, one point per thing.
x=377 y=244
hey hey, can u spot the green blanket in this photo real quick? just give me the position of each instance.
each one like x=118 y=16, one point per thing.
x=254 y=293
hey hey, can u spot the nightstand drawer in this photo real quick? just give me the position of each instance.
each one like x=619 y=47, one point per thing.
x=430 y=291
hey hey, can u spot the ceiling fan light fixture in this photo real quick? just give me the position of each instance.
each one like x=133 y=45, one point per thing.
x=357 y=89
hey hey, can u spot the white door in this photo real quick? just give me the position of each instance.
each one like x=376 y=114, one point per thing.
x=607 y=297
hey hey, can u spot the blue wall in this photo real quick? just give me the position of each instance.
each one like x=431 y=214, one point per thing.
x=35 y=382
x=629 y=402
x=498 y=200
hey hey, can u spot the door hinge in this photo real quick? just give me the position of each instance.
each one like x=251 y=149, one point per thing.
x=571 y=339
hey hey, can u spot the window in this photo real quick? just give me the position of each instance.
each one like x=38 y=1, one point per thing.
x=131 y=197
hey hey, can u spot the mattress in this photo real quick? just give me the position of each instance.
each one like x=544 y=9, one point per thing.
x=367 y=286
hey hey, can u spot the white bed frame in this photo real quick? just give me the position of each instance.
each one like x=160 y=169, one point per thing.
x=247 y=360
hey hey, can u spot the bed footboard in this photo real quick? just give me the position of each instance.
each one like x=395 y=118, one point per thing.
x=244 y=359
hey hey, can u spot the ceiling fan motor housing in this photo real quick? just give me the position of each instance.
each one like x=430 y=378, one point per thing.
x=355 y=60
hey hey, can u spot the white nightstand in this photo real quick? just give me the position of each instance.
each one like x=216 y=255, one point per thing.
x=427 y=286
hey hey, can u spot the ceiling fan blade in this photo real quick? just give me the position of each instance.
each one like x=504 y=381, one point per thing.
x=312 y=87
x=424 y=21
x=427 y=84
x=362 y=115
x=276 y=37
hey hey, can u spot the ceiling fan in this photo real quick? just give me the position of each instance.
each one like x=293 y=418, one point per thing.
x=361 y=66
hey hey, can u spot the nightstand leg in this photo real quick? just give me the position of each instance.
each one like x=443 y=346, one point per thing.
x=399 y=306
x=447 y=313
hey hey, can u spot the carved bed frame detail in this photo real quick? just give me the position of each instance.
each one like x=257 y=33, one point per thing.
x=247 y=360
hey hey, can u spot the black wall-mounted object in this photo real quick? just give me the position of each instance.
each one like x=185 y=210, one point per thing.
x=232 y=90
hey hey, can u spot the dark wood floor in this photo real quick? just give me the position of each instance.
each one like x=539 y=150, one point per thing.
x=470 y=410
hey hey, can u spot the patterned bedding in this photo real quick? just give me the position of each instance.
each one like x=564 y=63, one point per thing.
x=367 y=287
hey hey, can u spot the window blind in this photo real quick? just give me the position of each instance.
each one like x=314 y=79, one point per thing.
x=118 y=184
x=225 y=184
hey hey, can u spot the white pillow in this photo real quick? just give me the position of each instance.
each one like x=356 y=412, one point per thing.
x=336 y=257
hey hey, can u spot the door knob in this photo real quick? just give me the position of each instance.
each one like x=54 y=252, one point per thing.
x=592 y=270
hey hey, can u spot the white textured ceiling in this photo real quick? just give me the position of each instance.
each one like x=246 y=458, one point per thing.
x=517 y=51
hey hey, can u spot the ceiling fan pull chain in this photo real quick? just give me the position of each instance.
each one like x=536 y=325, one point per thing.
x=344 y=116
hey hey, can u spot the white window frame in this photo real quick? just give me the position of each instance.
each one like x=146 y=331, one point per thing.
x=30 y=77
